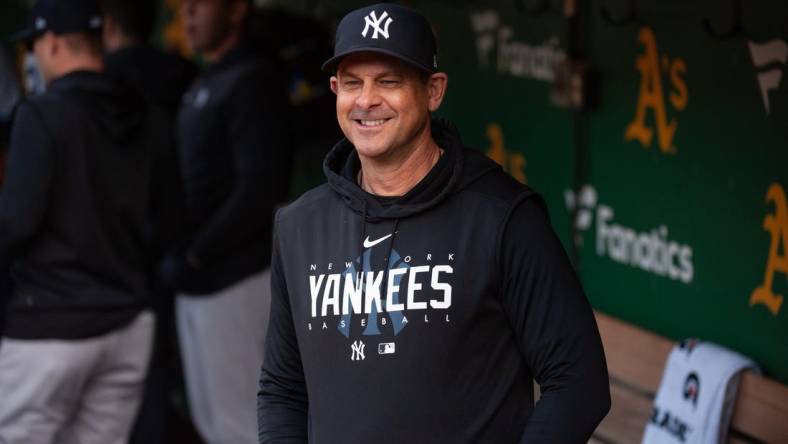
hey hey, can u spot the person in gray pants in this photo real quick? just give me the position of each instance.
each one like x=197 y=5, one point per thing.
x=233 y=149
x=84 y=208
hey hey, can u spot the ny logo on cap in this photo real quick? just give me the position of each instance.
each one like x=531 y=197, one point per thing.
x=373 y=21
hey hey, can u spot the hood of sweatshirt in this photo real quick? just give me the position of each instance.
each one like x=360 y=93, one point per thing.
x=463 y=167
x=118 y=110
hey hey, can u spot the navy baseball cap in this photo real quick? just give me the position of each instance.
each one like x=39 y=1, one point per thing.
x=61 y=17
x=386 y=28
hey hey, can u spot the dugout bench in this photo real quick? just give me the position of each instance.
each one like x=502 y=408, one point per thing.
x=635 y=360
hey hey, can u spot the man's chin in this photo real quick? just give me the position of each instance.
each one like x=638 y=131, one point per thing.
x=371 y=151
x=367 y=145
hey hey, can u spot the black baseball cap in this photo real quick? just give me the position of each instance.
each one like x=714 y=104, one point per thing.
x=389 y=29
x=61 y=17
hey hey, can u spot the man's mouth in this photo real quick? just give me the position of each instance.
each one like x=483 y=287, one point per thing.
x=371 y=123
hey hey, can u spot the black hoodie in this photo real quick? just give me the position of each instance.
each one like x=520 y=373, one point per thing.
x=87 y=202
x=235 y=161
x=161 y=76
x=426 y=318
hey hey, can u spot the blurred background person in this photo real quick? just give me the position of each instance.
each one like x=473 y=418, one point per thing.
x=301 y=44
x=10 y=91
x=83 y=207
x=10 y=94
x=234 y=159
x=162 y=78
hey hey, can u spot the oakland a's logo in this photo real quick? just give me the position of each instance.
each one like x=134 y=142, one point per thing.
x=652 y=95
x=777 y=225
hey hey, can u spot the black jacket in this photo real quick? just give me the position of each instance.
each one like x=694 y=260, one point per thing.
x=86 y=203
x=235 y=162
x=425 y=319
x=162 y=77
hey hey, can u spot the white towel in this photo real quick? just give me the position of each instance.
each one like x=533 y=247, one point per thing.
x=696 y=396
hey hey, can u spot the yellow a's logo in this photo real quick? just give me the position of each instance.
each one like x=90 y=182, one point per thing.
x=513 y=163
x=777 y=225
x=651 y=96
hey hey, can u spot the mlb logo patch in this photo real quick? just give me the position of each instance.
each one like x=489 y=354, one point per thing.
x=386 y=348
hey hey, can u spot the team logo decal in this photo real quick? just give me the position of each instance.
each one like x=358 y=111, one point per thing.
x=374 y=22
x=692 y=388
x=769 y=59
x=357 y=351
x=652 y=95
x=777 y=226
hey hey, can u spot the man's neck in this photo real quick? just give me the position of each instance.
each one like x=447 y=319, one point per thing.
x=397 y=175
x=214 y=55
x=119 y=41
x=94 y=64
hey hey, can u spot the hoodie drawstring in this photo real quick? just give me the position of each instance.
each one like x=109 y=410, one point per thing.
x=388 y=252
x=363 y=236
x=388 y=258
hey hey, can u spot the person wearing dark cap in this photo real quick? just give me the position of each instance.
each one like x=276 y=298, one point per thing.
x=417 y=294
x=83 y=206
x=234 y=150
x=162 y=77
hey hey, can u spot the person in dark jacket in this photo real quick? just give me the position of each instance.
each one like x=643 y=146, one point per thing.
x=234 y=150
x=84 y=206
x=10 y=94
x=418 y=294
x=163 y=79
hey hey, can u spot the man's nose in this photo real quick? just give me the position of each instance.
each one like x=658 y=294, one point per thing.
x=368 y=97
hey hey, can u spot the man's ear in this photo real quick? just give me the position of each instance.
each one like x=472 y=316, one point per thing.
x=334 y=82
x=108 y=24
x=109 y=29
x=436 y=89
x=54 y=44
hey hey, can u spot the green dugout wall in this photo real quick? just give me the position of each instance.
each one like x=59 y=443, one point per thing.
x=675 y=184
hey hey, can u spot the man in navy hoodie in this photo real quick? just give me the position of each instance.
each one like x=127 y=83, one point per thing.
x=417 y=295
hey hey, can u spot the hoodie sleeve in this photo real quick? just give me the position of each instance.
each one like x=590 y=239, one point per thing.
x=555 y=327
x=25 y=193
x=257 y=136
x=282 y=402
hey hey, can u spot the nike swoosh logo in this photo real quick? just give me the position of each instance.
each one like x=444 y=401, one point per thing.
x=370 y=244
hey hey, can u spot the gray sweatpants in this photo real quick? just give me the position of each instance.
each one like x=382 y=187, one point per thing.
x=221 y=337
x=83 y=391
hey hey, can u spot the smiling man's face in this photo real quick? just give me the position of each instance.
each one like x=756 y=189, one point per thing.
x=383 y=104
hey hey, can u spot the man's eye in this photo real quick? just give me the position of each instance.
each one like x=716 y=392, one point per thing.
x=388 y=82
x=351 y=83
